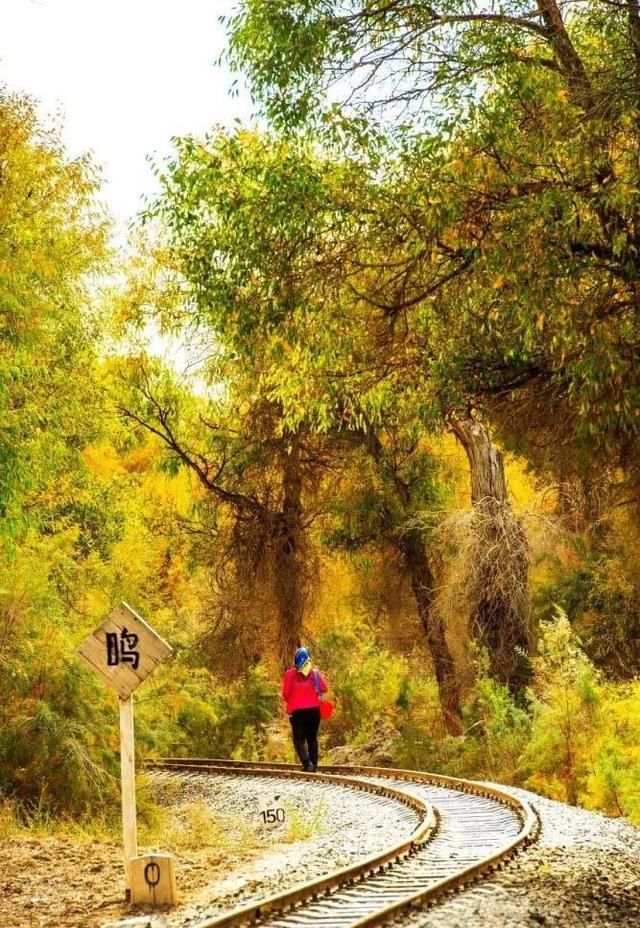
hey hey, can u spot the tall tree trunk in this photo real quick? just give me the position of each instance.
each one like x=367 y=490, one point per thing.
x=414 y=552
x=499 y=568
x=288 y=539
x=413 y=549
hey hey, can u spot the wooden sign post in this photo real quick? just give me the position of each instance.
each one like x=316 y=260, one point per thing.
x=124 y=650
x=128 y=783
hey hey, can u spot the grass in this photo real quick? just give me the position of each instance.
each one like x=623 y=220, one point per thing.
x=170 y=826
x=304 y=825
x=18 y=820
x=9 y=822
x=175 y=828
x=183 y=828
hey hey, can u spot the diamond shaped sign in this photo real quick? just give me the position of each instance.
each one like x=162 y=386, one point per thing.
x=124 y=650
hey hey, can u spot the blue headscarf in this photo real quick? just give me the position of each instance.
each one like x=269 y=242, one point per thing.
x=300 y=657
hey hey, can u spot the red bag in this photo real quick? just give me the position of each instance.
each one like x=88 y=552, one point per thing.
x=326 y=708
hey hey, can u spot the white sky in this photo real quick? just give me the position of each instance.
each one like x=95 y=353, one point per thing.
x=126 y=76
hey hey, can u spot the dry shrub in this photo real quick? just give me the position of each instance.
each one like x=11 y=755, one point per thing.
x=488 y=554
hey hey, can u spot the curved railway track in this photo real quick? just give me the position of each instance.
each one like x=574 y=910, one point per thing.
x=465 y=830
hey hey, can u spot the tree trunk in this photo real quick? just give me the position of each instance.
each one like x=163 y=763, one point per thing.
x=414 y=553
x=288 y=539
x=499 y=568
x=413 y=549
x=571 y=65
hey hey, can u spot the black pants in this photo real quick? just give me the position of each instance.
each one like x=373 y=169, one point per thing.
x=304 y=726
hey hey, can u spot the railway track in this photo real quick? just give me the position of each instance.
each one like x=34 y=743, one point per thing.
x=465 y=830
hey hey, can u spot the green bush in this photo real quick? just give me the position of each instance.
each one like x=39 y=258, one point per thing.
x=192 y=714
x=57 y=735
x=496 y=731
x=366 y=680
x=566 y=702
x=59 y=742
x=600 y=598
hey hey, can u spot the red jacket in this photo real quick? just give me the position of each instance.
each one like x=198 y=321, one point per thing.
x=299 y=692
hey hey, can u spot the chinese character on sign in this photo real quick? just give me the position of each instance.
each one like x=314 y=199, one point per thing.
x=122 y=651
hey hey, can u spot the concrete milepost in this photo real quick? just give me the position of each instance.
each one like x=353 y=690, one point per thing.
x=124 y=650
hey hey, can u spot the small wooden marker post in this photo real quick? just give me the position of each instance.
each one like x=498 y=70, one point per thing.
x=124 y=650
x=153 y=879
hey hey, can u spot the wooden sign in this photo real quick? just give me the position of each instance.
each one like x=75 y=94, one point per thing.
x=124 y=650
x=153 y=880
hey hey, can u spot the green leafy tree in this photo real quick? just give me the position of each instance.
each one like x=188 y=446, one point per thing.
x=511 y=211
x=526 y=197
x=257 y=222
x=53 y=238
x=261 y=492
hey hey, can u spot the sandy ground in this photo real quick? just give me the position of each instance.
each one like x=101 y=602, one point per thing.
x=52 y=883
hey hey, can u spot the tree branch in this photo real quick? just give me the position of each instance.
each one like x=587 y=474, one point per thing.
x=202 y=470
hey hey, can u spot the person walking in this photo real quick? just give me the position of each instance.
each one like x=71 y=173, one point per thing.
x=302 y=689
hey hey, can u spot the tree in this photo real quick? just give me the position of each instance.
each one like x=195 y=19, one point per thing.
x=255 y=223
x=58 y=524
x=345 y=353
x=515 y=252
x=53 y=238
x=546 y=233
x=397 y=56
x=390 y=507
x=264 y=480
x=500 y=564
x=240 y=217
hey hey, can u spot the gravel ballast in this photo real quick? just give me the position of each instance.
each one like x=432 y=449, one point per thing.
x=583 y=870
x=348 y=825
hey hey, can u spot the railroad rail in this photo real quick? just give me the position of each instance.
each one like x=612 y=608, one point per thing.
x=466 y=830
